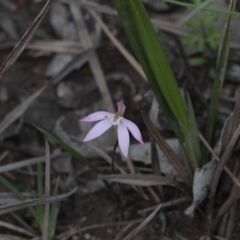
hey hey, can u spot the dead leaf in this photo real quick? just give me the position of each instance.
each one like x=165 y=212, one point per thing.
x=33 y=202
x=143 y=224
x=144 y=180
x=201 y=183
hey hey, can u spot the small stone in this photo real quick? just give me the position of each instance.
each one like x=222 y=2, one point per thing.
x=87 y=236
x=109 y=231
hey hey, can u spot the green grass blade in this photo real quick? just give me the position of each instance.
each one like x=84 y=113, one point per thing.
x=68 y=149
x=12 y=188
x=134 y=39
x=77 y=155
x=53 y=212
x=193 y=132
x=38 y=212
x=155 y=55
x=194 y=6
x=17 y=193
x=219 y=79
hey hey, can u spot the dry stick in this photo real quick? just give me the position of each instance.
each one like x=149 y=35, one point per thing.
x=93 y=59
x=168 y=152
x=78 y=230
x=233 y=197
x=171 y=203
x=49 y=47
x=12 y=57
x=34 y=202
x=118 y=45
x=235 y=118
x=15 y=228
x=20 y=221
x=143 y=224
x=230 y=174
x=47 y=192
x=223 y=161
x=28 y=162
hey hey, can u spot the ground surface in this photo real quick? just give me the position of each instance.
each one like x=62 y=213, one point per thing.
x=92 y=205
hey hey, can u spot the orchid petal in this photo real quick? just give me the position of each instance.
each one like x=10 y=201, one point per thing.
x=98 y=130
x=121 y=107
x=97 y=116
x=123 y=139
x=132 y=127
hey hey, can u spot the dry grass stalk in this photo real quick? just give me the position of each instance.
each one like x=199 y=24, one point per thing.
x=230 y=174
x=18 y=49
x=93 y=59
x=119 y=45
x=15 y=228
x=168 y=152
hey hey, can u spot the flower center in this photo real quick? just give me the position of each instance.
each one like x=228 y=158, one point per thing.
x=116 y=118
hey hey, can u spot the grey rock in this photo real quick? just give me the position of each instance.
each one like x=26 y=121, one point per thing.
x=233 y=73
x=59 y=18
x=142 y=153
x=57 y=64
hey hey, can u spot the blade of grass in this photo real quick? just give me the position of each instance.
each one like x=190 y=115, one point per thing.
x=193 y=6
x=133 y=36
x=159 y=62
x=93 y=58
x=191 y=138
x=53 y=212
x=24 y=40
x=47 y=193
x=76 y=154
x=38 y=212
x=118 y=44
x=18 y=194
x=221 y=65
x=168 y=152
x=33 y=202
x=15 y=228
x=68 y=149
x=143 y=224
x=223 y=161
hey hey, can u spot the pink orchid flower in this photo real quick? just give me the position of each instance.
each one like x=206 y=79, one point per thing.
x=111 y=119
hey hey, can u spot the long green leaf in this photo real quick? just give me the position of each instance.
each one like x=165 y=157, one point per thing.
x=68 y=149
x=158 y=61
x=76 y=155
x=133 y=36
x=53 y=212
x=18 y=194
x=193 y=130
x=220 y=70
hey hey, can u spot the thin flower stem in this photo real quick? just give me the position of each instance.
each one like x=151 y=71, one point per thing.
x=113 y=155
